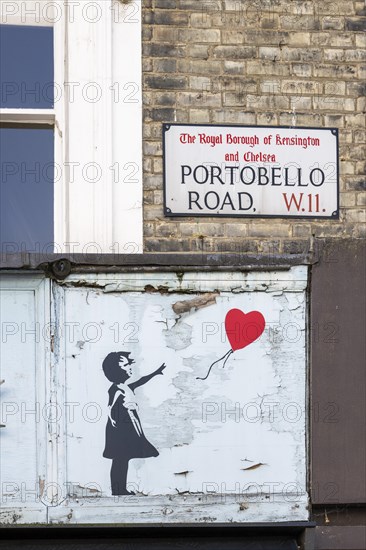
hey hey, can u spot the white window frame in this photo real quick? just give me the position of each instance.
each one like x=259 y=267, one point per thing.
x=104 y=216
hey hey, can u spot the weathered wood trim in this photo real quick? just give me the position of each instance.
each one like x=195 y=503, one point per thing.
x=340 y=537
x=338 y=381
x=171 y=261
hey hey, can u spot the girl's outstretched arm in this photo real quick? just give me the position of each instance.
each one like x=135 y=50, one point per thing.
x=145 y=379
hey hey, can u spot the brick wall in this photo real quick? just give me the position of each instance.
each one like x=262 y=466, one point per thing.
x=254 y=62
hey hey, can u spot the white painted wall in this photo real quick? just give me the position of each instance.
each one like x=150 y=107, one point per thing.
x=232 y=447
x=24 y=305
x=103 y=131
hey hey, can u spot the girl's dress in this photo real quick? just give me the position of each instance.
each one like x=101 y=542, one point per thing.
x=126 y=439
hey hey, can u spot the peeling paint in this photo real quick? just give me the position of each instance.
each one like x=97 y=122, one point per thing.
x=161 y=289
x=82 y=283
x=78 y=491
x=180 y=275
x=255 y=466
x=237 y=289
x=10 y=517
x=294 y=279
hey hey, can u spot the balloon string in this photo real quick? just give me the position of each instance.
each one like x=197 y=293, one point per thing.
x=230 y=352
x=227 y=355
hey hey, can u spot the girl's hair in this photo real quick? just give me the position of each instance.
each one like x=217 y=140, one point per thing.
x=111 y=367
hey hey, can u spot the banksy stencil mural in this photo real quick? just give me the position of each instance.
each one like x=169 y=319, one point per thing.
x=125 y=438
x=179 y=398
x=187 y=390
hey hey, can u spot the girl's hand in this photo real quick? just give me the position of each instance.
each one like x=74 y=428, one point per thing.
x=161 y=368
x=113 y=422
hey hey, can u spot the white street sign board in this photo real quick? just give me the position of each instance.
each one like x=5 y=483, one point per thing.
x=250 y=171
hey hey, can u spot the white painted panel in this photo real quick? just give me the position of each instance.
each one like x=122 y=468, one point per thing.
x=23 y=313
x=127 y=128
x=232 y=447
x=237 y=437
x=103 y=161
x=18 y=392
x=89 y=127
x=204 y=509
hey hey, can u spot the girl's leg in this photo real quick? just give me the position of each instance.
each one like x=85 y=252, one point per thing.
x=119 y=470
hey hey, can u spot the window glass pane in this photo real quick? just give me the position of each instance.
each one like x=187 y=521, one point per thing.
x=26 y=201
x=26 y=67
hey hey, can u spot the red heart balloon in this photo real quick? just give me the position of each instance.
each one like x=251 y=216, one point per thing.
x=242 y=328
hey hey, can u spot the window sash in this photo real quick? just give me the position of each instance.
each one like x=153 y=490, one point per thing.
x=28 y=116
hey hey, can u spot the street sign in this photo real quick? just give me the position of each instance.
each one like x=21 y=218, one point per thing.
x=250 y=171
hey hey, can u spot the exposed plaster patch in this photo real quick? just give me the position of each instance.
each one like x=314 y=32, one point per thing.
x=289 y=331
x=179 y=337
x=186 y=399
x=201 y=301
x=41 y=484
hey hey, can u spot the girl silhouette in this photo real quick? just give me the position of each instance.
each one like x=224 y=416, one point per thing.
x=125 y=438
